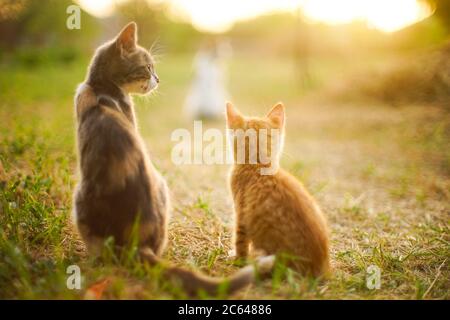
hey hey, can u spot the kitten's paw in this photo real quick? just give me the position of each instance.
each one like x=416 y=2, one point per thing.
x=232 y=254
x=265 y=264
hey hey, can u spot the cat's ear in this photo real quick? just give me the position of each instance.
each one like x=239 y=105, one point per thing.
x=127 y=39
x=234 y=118
x=276 y=115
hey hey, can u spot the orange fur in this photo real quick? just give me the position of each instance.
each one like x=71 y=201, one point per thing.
x=275 y=213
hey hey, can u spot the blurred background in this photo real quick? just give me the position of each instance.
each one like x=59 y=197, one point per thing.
x=366 y=85
x=309 y=44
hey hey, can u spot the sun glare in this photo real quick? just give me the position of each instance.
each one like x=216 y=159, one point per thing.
x=99 y=8
x=219 y=16
x=385 y=15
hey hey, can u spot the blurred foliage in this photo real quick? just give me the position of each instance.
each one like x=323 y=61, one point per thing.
x=442 y=11
x=409 y=79
x=425 y=79
x=34 y=32
x=155 y=28
x=288 y=33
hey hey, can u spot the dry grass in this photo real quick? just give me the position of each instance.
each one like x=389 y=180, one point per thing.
x=380 y=174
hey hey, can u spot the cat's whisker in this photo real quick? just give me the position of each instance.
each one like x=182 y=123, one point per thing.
x=156 y=50
x=290 y=156
x=158 y=92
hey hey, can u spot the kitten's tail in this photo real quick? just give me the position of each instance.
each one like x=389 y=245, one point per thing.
x=193 y=282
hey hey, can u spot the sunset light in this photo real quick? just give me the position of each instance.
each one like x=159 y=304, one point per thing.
x=384 y=15
x=219 y=16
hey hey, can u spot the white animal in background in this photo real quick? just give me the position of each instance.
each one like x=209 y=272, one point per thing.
x=207 y=94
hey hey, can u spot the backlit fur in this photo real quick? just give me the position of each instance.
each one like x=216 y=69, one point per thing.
x=275 y=213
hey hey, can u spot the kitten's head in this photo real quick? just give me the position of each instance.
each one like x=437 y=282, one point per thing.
x=270 y=128
x=125 y=63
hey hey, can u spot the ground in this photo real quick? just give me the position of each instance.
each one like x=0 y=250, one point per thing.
x=380 y=173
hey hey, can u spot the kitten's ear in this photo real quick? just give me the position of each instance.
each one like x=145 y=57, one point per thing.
x=276 y=114
x=234 y=118
x=127 y=39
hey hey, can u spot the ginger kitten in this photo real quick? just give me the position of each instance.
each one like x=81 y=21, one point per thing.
x=274 y=212
x=119 y=185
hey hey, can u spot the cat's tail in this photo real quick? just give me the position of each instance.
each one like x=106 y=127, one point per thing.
x=193 y=282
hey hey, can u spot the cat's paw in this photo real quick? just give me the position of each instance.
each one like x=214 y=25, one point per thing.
x=265 y=264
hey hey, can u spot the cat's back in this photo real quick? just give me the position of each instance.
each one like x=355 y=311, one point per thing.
x=281 y=216
x=280 y=191
x=115 y=178
x=109 y=148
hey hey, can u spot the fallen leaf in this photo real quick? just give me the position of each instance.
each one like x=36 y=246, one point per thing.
x=95 y=292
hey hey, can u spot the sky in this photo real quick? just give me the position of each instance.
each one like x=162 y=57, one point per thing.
x=220 y=15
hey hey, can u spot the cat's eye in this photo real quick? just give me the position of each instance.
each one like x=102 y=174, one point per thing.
x=149 y=67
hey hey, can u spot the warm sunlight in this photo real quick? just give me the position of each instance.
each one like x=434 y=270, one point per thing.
x=385 y=15
x=219 y=16
x=99 y=8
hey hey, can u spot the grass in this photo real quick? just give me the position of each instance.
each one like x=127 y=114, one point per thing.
x=381 y=174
